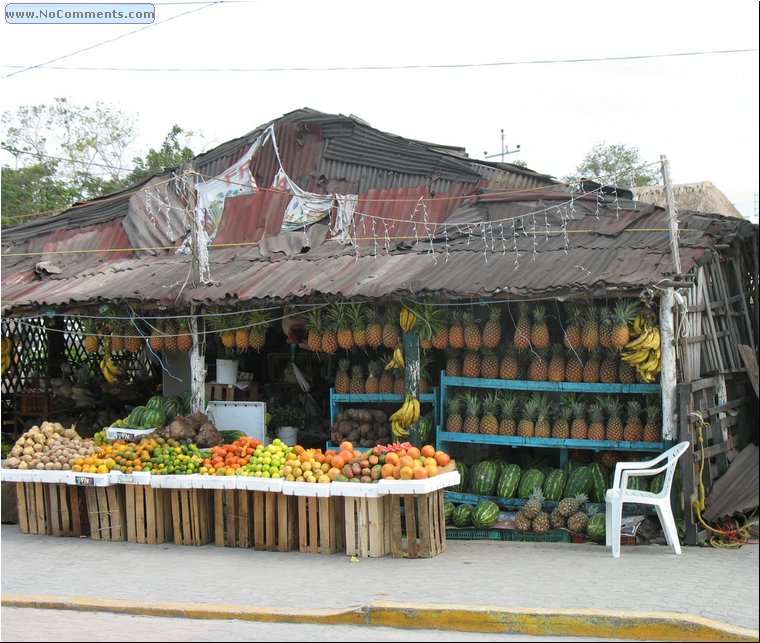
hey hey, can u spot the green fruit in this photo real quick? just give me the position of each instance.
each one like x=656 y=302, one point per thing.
x=462 y=515
x=554 y=485
x=448 y=512
x=595 y=528
x=485 y=515
x=509 y=481
x=579 y=482
x=483 y=478
x=531 y=479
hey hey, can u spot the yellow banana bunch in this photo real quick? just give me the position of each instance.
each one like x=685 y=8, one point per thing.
x=407 y=319
x=397 y=430
x=7 y=353
x=644 y=352
x=637 y=326
x=408 y=414
x=110 y=370
x=397 y=361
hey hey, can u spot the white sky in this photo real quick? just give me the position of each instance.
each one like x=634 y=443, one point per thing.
x=701 y=111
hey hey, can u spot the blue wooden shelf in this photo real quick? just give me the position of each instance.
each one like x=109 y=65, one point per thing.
x=557 y=443
x=558 y=387
x=339 y=400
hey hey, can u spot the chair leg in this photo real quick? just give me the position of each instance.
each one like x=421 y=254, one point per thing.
x=608 y=524
x=668 y=523
x=615 y=523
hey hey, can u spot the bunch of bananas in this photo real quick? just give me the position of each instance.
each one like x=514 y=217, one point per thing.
x=110 y=370
x=644 y=351
x=397 y=361
x=7 y=352
x=407 y=415
x=407 y=319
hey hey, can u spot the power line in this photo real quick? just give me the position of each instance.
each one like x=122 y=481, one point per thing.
x=103 y=42
x=377 y=67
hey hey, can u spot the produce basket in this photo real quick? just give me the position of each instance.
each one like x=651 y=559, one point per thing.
x=473 y=534
x=553 y=536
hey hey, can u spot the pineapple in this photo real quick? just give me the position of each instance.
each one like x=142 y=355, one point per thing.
x=626 y=372
x=471 y=422
x=314 y=326
x=117 y=336
x=391 y=328
x=440 y=330
x=578 y=427
x=614 y=408
x=538 y=371
x=541 y=523
x=539 y=333
x=226 y=336
x=508 y=408
x=454 y=418
x=593 y=365
x=634 y=429
x=92 y=338
x=557 y=364
x=522 y=522
x=385 y=385
x=430 y=323
x=526 y=428
x=489 y=364
x=242 y=332
x=453 y=363
x=605 y=327
x=156 y=339
x=471 y=364
x=257 y=334
x=170 y=337
x=577 y=522
x=574 y=365
x=472 y=337
x=329 y=335
x=561 y=425
x=596 y=426
x=568 y=506
x=590 y=330
x=425 y=378
x=653 y=427
x=356 y=383
x=372 y=385
x=344 y=334
x=543 y=427
x=492 y=328
x=556 y=519
x=373 y=329
x=184 y=338
x=398 y=381
x=608 y=371
x=456 y=330
x=133 y=343
x=489 y=424
x=572 y=338
x=342 y=378
x=523 y=328
x=509 y=369
x=622 y=316
x=357 y=320
x=533 y=504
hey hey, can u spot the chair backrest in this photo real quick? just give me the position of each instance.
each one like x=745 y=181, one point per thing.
x=672 y=454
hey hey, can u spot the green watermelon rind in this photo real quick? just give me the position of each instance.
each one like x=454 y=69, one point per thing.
x=599 y=482
x=464 y=478
x=509 y=481
x=485 y=514
x=554 y=485
x=579 y=482
x=155 y=402
x=531 y=479
x=462 y=516
x=595 y=528
x=448 y=511
x=483 y=478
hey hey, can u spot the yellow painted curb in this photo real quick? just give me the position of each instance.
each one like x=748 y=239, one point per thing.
x=652 y=626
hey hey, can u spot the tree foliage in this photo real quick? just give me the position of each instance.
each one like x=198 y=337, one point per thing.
x=615 y=163
x=173 y=151
x=33 y=188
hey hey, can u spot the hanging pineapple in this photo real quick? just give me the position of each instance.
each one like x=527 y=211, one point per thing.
x=343 y=333
x=539 y=332
x=91 y=336
x=357 y=319
x=456 y=330
x=391 y=329
x=440 y=328
x=117 y=336
x=623 y=316
x=472 y=337
x=156 y=340
x=184 y=338
x=329 y=335
x=342 y=378
x=170 y=336
x=313 y=327
x=133 y=342
x=257 y=335
x=374 y=329
x=523 y=329
x=492 y=328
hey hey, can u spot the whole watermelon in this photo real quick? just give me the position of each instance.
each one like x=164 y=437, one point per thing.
x=509 y=481
x=599 y=482
x=463 y=478
x=155 y=402
x=595 y=528
x=485 y=514
x=187 y=402
x=531 y=479
x=448 y=511
x=579 y=481
x=172 y=407
x=462 y=515
x=554 y=484
x=135 y=418
x=483 y=478
x=657 y=483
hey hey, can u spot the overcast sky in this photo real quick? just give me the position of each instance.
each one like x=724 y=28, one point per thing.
x=699 y=110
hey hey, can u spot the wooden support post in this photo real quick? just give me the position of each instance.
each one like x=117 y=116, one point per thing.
x=668 y=373
x=411 y=342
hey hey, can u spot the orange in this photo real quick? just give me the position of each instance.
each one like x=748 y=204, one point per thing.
x=346 y=446
x=406 y=461
x=420 y=473
x=432 y=469
x=406 y=473
x=391 y=458
x=414 y=452
x=428 y=451
x=387 y=470
x=430 y=461
x=338 y=461
x=442 y=458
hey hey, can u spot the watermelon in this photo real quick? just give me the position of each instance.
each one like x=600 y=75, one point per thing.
x=172 y=406
x=554 y=485
x=579 y=481
x=570 y=466
x=156 y=402
x=657 y=483
x=153 y=418
x=599 y=482
x=462 y=515
x=135 y=418
x=448 y=511
x=483 y=478
x=509 y=481
x=485 y=514
x=187 y=402
x=638 y=483
x=531 y=479
x=463 y=478
x=595 y=527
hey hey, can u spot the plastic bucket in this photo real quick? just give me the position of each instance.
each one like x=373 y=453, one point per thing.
x=288 y=434
x=226 y=371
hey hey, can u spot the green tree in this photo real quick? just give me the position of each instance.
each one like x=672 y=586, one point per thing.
x=173 y=151
x=31 y=189
x=615 y=163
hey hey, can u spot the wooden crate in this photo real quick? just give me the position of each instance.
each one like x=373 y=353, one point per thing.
x=233 y=518
x=275 y=523
x=367 y=527
x=148 y=514
x=32 y=512
x=229 y=393
x=417 y=525
x=192 y=516
x=67 y=510
x=320 y=525
x=105 y=512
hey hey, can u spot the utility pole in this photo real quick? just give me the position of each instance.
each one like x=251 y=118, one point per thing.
x=504 y=150
x=199 y=258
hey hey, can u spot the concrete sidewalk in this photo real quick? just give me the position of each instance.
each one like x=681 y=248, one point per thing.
x=530 y=588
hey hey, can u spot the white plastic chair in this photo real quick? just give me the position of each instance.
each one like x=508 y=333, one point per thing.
x=619 y=494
